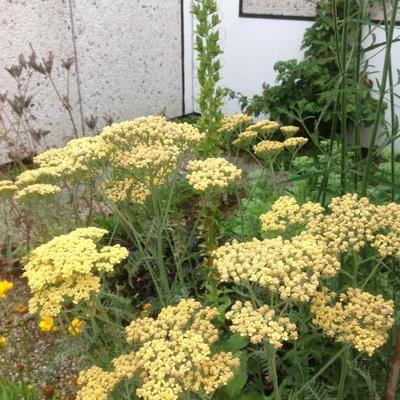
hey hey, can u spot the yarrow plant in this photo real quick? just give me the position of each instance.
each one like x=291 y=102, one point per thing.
x=66 y=268
x=173 y=355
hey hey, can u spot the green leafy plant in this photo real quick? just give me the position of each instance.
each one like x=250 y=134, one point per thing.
x=211 y=96
x=308 y=87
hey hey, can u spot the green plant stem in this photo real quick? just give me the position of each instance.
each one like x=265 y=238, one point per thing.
x=322 y=370
x=271 y=356
x=393 y=117
x=382 y=90
x=343 y=373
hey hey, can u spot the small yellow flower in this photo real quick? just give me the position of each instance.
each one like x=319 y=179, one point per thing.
x=3 y=341
x=47 y=324
x=75 y=327
x=5 y=286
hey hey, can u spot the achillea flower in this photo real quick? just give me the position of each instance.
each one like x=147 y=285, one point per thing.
x=174 y=356
x=37 y=190
x=39 y=175
x=5 y=286
x=79 y=157
x=268 y=148
x=289 y=131
x=7 y=188
x=286 y=212
x=387 y=224
x=127 y=189
x=261 y=324
x=75 y=328
x=65 y=268
x=212 y=173
x=292 y=268
x=152 y=130
x=245 y=138
x=47 y=324
x=231 y=123
x=265 y=128
x=350 y=224
x=295 y=143
x=3 y=341
x=357 y=317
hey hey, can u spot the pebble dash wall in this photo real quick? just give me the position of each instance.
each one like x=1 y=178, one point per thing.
x=128 y=59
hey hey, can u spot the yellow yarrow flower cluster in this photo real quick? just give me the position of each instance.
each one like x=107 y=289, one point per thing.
x=37 y=190
x=265 y=127
x=286 y=211
x=79 y=157
x=231 y=123
x=5 y=286
x=350 y=223
x=357 y=317
x=212 y=173
x=245 y=138
x=387 y=223
x=145 y=152
x=289 y=130
x=65 y=267
x=270 y=148
x=147 y=131
x=3 y=341
x=173 y=357
x=126 y=189
x=292 y=268
x=7 y=188
x=295 y=143
x=39 y=175
x=261 y=324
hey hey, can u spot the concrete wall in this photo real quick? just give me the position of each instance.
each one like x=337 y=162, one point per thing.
x=128 y=55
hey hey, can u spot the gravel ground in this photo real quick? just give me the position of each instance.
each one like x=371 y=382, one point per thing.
x=31 y=356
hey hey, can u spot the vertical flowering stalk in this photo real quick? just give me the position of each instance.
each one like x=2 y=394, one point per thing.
x=211 y=96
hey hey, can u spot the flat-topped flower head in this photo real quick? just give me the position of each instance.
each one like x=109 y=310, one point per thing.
x=268 y=148
x=245 y=138
x=265 y=128
x=289 y=130
x=359 y=318
x=349 y=224
x=39 y=175
x=295 y=143
x=212 y=173
x=78 y=158
x=37 y=191
x=287 y=212
x=261 y=324
x=231 y=123
x=151 y=130
x=126 y=190
x=292 y=268
x=65 y=269
x=173 y=357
